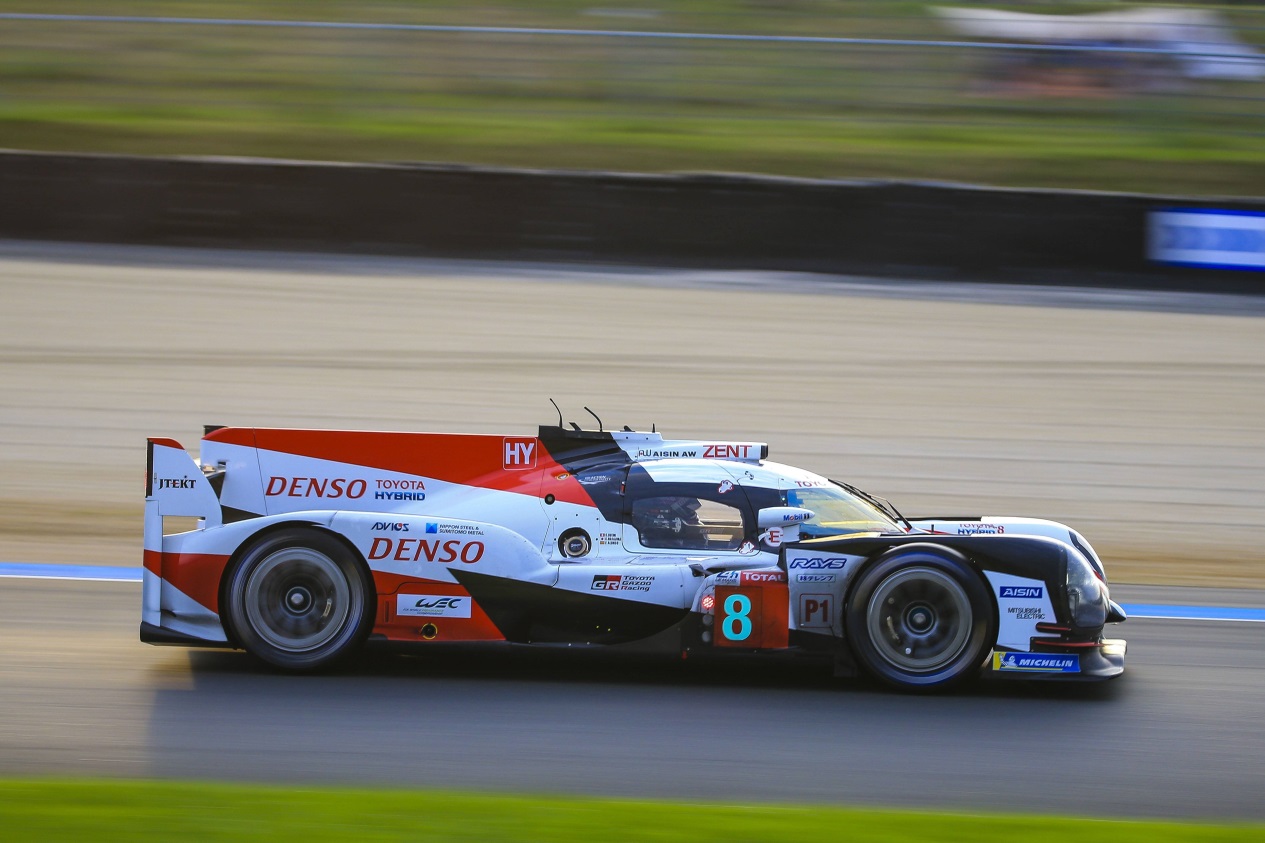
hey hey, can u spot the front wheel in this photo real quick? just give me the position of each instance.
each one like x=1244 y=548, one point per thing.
x=921 y=619
x=299 y=600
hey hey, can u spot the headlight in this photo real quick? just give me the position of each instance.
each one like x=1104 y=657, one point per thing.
x=1086 y=594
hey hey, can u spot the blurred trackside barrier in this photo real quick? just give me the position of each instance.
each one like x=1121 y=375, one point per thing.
x=874 y=228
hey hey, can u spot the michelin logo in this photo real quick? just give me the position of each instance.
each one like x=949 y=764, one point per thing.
x=1036 y=663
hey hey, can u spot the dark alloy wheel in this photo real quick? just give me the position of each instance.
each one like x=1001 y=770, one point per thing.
x=299 y=600
x=921 y=619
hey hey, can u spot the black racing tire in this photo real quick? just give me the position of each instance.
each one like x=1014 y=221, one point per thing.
x=921 y=619
x=299 y=599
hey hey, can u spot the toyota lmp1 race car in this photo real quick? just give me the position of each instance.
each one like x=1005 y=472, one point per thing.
x=311 y=543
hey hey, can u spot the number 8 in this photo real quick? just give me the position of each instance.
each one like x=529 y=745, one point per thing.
x=737 y=625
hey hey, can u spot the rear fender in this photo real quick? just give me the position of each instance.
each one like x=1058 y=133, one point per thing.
x=184 y=572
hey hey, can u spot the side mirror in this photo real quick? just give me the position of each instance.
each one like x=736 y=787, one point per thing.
x=779 y=524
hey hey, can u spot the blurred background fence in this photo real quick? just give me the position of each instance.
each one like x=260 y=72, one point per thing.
x=1164 y=100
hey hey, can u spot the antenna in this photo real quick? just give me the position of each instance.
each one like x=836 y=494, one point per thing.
x=594 y=415
x=555 y=406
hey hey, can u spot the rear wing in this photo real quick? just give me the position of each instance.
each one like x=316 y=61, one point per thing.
x=176 y=485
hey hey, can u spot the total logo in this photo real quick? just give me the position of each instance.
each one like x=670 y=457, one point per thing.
x=1024 y=592
x=762 y=577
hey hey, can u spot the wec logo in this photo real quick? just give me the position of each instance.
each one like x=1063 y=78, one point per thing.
x=432 y=606
x=438 y=603
x=1020 y=591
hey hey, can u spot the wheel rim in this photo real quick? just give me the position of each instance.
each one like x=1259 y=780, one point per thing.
x=298 y=599
x=919 y=619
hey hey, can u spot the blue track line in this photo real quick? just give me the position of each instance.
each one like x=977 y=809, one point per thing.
x=1193 y=613
x=102 y=573
x=45 y=571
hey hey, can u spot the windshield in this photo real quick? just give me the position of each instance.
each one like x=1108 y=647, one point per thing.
x=838 y=511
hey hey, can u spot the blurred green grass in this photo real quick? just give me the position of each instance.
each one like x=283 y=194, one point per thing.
x=617 y=104
x=118 y=810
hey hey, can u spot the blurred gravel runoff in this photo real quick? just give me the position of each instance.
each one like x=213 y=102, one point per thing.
x=1134 y=417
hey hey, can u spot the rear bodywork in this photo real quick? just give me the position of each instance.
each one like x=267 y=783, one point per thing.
x=593 y=538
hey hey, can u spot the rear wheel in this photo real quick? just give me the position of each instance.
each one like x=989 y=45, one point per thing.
x=920 y=619
x=299 y=600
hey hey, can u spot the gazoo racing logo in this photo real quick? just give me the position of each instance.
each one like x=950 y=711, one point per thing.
x=417 y=550
x=1020 y=592
x=818 y=563
x=615 y=582
x=316 y=487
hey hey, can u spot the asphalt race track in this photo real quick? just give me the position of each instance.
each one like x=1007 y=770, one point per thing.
x=1134 y=416
x=1178 y=736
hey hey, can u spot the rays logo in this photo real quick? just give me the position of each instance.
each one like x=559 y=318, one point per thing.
x=817 y=563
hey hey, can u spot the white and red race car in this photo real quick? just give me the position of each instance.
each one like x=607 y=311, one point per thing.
x=311 y=543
